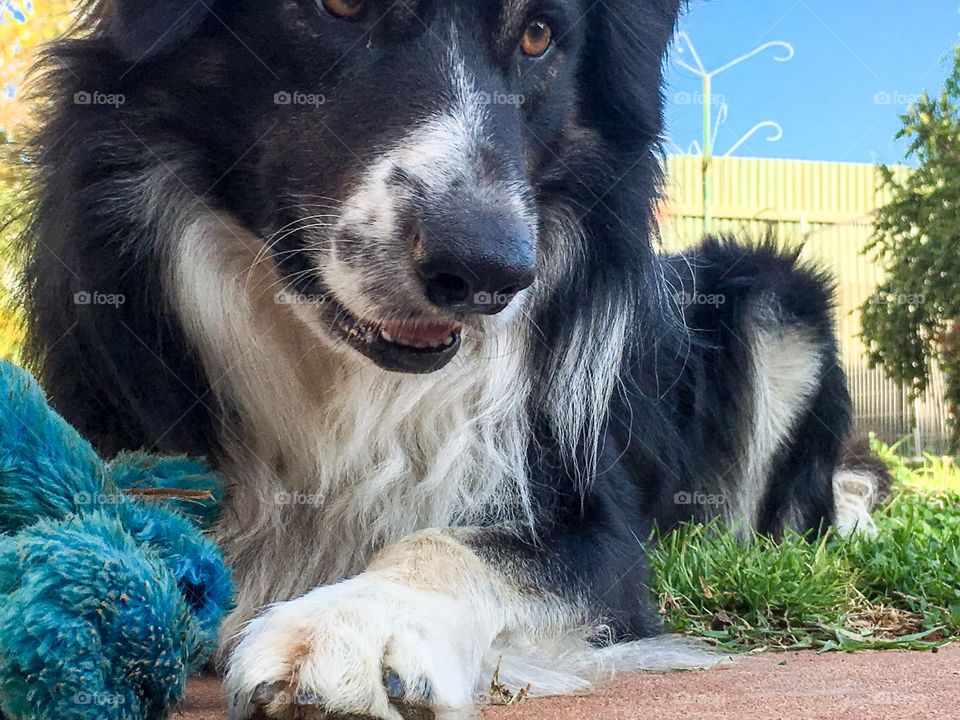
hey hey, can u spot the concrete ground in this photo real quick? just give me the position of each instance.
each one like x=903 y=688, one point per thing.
x=789 y=686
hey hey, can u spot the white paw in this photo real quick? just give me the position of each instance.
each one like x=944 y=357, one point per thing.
x=364 y=648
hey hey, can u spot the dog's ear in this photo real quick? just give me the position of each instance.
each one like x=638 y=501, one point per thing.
x=142 y=29
x=624 y=68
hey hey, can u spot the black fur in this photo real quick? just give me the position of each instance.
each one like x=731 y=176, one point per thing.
x=198 y=105
x=672 y=432
x=800 y=297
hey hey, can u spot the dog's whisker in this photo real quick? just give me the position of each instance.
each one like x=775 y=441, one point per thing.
x=267 y=250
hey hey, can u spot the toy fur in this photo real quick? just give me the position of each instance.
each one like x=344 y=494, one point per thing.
x=109 y=597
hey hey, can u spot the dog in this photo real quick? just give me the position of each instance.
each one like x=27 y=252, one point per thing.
x=392 y=265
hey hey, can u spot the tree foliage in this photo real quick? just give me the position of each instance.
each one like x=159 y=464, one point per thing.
x=912 y=322
x=11 y=223
x=24 y=26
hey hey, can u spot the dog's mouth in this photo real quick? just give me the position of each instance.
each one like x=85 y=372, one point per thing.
x=407 y=346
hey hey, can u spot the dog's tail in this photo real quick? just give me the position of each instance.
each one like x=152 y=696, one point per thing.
x=861 y=484
x=571 y=664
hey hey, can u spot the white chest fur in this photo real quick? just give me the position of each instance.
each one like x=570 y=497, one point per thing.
x=329 y=458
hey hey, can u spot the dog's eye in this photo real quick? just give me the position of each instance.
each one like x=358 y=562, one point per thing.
x=344 y=8
x=537 y=39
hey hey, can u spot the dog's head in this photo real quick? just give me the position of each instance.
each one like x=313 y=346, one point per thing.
x=401 y=157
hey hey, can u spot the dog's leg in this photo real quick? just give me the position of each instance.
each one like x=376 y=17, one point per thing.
x=412 y=631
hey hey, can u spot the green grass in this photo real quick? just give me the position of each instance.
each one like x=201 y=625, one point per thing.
x=900 y=589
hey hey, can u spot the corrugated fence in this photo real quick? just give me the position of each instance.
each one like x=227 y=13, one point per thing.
x=826 y=209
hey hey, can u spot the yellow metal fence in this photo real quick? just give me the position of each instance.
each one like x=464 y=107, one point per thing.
x=827 y=210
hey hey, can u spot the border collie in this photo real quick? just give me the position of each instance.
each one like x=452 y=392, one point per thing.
x=391 y=265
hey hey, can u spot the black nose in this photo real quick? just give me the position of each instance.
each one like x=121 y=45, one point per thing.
x=475 y=270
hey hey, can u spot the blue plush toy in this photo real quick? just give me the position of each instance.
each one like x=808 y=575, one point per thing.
x=110 y=595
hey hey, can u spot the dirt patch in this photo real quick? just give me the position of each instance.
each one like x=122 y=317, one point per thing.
x=866 y=686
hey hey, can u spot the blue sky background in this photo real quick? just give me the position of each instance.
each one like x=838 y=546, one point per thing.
x=858 y=63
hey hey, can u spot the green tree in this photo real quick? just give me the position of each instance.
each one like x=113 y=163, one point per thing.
x=24 y=27
x=11 y=327
x=912 y=322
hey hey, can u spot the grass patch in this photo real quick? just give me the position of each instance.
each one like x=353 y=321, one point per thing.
x=900 y=589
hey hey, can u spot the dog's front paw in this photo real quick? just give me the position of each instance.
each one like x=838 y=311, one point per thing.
x=365 y=648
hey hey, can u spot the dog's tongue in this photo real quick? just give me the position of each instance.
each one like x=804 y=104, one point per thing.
x=423 y=334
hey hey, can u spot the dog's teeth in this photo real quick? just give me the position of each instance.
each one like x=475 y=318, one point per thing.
x=447 y=342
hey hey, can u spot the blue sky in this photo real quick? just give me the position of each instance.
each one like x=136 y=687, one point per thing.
x=858 y=63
